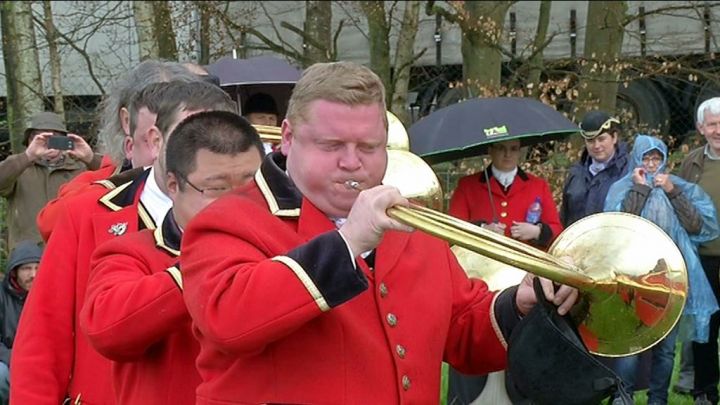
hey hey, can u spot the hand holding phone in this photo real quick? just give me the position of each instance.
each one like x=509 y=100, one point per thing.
x=59 y=141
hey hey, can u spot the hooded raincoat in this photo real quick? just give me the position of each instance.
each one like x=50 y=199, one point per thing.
x=659 y=209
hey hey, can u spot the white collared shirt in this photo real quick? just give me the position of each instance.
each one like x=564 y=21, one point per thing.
x=155 y=201
x=710 y=154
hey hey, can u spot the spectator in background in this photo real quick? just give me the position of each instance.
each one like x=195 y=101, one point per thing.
x=499 y=199
x=686 y=214
x=261 y=109
x=32 y=178
x=702 y=166
x=603 y=162
x=21 y=270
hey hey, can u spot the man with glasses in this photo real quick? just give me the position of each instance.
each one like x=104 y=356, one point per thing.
x=52 y=360
x=134 y=313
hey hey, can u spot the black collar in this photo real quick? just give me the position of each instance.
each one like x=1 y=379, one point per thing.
x=168 y=235
x=281 y=195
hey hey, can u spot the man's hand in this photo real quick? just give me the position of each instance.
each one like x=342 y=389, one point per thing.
x=664 y=181
x=37 y=149
x=524 y=231
x=565 y=297
x=81 y=150
x=638 y=176
x=368 y=221
x=496 y=227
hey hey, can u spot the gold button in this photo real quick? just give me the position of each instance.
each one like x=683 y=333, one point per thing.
x=503 y=203
x=503 y=214
x=391 y=319
x=406 y=382
x=400 y=351
x=383 y=290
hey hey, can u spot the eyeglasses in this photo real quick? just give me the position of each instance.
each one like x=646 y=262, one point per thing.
x=209 y=192
x=652 y=159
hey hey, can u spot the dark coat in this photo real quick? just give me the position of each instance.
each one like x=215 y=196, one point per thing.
x=583 y=193
x=12 y=296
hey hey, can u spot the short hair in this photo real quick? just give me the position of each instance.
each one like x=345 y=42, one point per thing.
x=220 y=132
x=712 y=104
x=151 y=97
x=341 y=82
x=190 y=96
x=111 y=134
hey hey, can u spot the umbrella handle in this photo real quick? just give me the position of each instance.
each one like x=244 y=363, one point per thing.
x=490 y=196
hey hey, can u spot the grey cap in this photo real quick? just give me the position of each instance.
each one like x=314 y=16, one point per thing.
x=45 y=120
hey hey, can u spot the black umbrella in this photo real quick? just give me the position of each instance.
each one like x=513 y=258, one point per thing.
x=242 y=78
x=466 y=129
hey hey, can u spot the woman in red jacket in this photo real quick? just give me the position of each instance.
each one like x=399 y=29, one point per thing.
x=500 y=199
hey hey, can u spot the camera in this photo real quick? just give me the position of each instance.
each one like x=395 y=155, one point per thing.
x=60 y=141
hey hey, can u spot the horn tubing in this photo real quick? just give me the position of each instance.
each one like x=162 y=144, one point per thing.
x=479 y=240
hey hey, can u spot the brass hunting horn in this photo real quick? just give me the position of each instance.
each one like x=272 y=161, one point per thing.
x=631 y=275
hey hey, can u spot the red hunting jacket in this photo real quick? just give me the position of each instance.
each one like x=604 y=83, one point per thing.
x=51 y=358
x=51 y=213
x=283 y=315
x=134 y=314
x=471 y=202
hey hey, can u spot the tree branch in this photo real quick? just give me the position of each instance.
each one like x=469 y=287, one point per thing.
x=340 y=26
x=662 y=10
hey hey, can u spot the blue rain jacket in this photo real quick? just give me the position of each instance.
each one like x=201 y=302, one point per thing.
x=701 y=302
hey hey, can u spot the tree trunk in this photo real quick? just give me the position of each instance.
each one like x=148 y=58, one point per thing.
x=164 y=32
x=482 y=28
x=404 y=56
x=600 y=70
x=379 y=33
x=22 y=68
x=55 y=61
x=204 y=32
x=317 y=27
x=143 y=11
x=536 y=58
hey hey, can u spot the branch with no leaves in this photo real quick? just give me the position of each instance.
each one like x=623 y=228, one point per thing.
x=665 y=9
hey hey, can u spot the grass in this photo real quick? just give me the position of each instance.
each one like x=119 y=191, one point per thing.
x=640 y=396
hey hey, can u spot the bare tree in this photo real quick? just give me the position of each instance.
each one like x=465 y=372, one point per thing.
x=55 y=60
x=379 y=41
x=156 y=36
x=404 y=59
x=481 y=23
x=317 y=30
x=22 y=68
x=600 y=70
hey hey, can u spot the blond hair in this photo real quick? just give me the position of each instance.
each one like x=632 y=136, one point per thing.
x=340 y=82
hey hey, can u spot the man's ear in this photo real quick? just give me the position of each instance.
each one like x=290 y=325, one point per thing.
x=125 y=120
x=128 y=147
x=287 y=135
x=173 y=185
x=155 y=140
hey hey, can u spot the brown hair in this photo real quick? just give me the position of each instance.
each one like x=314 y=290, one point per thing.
x=341 y=82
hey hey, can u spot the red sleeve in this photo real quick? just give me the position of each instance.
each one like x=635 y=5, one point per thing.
x=131 y=301
x=245 y=282
x=51 y=212
x=459 y=204
x=476 y=343
x=44 y=347
x=549 y=215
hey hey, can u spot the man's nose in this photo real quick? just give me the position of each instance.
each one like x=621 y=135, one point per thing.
x=350 y=159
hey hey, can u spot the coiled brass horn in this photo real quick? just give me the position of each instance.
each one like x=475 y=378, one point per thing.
x=631 y=275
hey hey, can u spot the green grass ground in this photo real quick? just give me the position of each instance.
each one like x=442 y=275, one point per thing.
x=640 y=396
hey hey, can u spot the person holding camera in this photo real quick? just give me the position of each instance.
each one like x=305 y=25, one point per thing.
x=31 y=178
